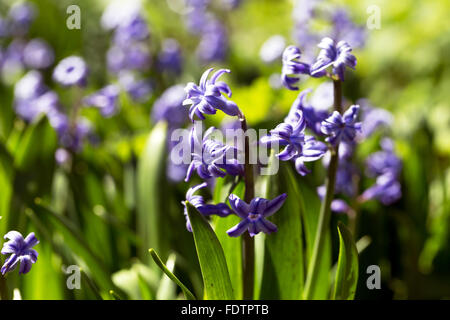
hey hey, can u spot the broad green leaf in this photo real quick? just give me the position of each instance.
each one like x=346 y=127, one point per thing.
x=152 y=195
x=216 y=278
x=347 y=270
x=232 y=247
x=76 y=242
x=283 y=276
x=171 y=276
x=310 y=217
x=37 y=144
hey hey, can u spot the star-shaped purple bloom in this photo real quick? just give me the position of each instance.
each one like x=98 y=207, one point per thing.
x=220 y=209
x=254 y=215
x=211 y=158
x=20 y=251
x=207 y=97
x=292 y=67
x=338 y=56
x=339 y=127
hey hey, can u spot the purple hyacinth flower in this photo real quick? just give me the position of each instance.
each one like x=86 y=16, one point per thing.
x=298 y=147
x=338 y=56
x=20 y=251
x=62 y=156
x=292 y=67
x=134 y=28
x=337 y=205
x=384 y=161
x=207 y=97
x=71 y=71
x=339 y=127
x=211 y=158
x=169 y=59
x=220 y=209
x=106 y=100
x=373 y=118
x=38 y=54
x=345 y=29
x=272 y=49
x=386 y=189
x=21 y=16
x=30 y=86
x=213 y=44
x=135 y=56
x=254 y=215
x=168 y=107
x=312 y=150
x=313 y=116
x=140 y=90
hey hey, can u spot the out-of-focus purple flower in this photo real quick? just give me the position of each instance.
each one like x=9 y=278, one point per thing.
x=169 y=59
x=4 y=29
x=298 y=147
x=30 y=86
x=132 y=29
x=373 y=118
x=38 y=54
x=118 y=12
x=338 y=56
x=168 y=107
x=195 y=19
x=272 y=49
x=73 y=135
x=292 y=67
x=323 y=96
x=12 y=65
x=313 y=116
x=345 y=29
x=384 y=161
x=386 y=189
x=106 y=100
x=207 y=97
x=213 y=45
x=339 y=127
x=62 y=156
x=231 y=4
x=211 y=158
x=220 y=209
x=20 y=251
x=134 y=56
x=71 y=71
x=337 y=205
x=140 y=90
x=21 y=15
x=254 y=215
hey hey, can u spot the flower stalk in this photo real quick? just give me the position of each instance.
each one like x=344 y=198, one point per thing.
x=325 y=209
x=248 y=242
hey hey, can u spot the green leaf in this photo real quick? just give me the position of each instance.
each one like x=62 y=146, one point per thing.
x=188 y=294
x=6 y=186
x=75 y=241
x=152 y=194
x=232 y=247
x=310 y=218
x=347 y=270
x=216 y=278
x=283 y=274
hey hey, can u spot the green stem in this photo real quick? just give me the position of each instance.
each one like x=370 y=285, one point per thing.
x=325 y=210
x=248 y=243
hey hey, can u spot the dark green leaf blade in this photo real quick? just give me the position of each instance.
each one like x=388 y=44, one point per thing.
x=187 y=293
x=283 y=276
x=347 y=270
x=213 y=265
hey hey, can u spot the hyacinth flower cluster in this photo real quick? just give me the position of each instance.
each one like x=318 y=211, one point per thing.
x=212 y=158
x=21 y=53
x=201 y=21
x=20 y=251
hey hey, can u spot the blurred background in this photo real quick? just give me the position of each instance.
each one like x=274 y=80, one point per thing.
x=86 y=193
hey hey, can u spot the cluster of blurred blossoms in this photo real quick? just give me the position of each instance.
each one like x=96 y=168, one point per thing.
x=212 y=159
x=200 y=20
x=20 y=252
